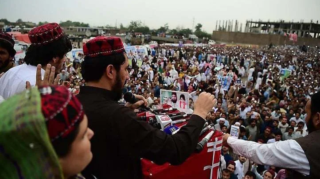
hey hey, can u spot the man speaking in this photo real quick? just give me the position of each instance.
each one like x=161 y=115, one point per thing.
x=301 y=155
x=120 y=138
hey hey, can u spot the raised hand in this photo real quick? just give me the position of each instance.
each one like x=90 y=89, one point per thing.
x=204 y=104
x=48 y=78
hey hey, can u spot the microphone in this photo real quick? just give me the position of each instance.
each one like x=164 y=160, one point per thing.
x=203 y=142
x=178 y=116
x=179 y=121
x=205 y=129
x=130 y=98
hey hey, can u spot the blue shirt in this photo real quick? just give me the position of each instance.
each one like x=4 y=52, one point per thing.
x=157 y=91
x=200 y=57
x=227 y=158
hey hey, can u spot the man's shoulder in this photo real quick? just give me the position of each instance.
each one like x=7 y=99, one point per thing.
x=102 y=104
x=19 y=74
x=24 y=72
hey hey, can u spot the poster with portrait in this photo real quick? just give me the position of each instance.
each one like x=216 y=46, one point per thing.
x=225 y=82
x=74 y=54
x=176 y=99
x=137 y=52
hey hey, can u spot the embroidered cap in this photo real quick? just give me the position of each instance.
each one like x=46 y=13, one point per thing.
x=61 y=109
x=45 y=34
x=103 y=46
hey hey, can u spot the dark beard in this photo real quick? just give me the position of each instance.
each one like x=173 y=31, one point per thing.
x=310 y=126
x=5 y=64
x=117 y=88
x=174 y=101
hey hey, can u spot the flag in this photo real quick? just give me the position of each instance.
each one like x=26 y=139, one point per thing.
x=284 y=73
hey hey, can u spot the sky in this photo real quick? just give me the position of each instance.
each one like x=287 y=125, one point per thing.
x=156 y=13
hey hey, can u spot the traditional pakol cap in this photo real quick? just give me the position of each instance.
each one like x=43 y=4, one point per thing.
x=61 y=109
x=102 y=45
x=26 y=150
x=7 y=38
x=45 y=34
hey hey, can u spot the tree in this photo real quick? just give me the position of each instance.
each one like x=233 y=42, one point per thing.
x=143 y=29
x=5 y=21
x=198 y=27
x=42 y=23
x=201 y=34
x=121 y=26
x=19 y=21
x=163 y=29
x=69 y=23
x=173 y=32
x=134 y=25
x=138 y=27
x=185 y=32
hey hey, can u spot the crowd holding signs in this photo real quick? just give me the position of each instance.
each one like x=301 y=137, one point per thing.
x=263 y=94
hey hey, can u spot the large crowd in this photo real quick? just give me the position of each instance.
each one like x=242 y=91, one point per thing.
x=262 y=90
x=266 y=96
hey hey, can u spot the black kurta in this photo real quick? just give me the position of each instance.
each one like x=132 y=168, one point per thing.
x=120 y=139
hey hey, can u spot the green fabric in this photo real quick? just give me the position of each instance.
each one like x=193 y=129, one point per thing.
x=160 y=70
x=25 y=148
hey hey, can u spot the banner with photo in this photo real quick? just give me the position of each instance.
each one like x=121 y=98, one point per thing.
x=284 y=73
x=74 y=53
x=225 y=82
x=176 y=99
x=139 y=52
x=139 y=62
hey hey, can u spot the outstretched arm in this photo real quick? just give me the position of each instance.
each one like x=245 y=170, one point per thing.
x=288 y=154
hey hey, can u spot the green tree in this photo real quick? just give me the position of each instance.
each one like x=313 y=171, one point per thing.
x=198 y=27
x=185 y=32
x=201 y=34
x=69 y=23
x=134 y=25
x=173 y=32
x=19 y=21
x=5 y=21
x=163 y=29
x=137 y=26
x=143 y=29
x=122 y=27
x=42 y=23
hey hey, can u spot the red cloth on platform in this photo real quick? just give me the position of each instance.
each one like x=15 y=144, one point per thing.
x=196 y=166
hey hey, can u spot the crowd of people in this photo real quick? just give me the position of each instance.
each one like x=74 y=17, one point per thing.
x=262 y=90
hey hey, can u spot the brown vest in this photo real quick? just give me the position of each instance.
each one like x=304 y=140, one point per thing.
x=311 y=147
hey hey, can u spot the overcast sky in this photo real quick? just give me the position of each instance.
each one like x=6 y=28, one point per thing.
x=155 y=13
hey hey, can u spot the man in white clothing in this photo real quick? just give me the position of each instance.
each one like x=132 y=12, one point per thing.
x=283 y=125
x=49 y=45
x=296 y=118
x=300 y=155
x=250 y=72
x=277 y=138
x=239 y=172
